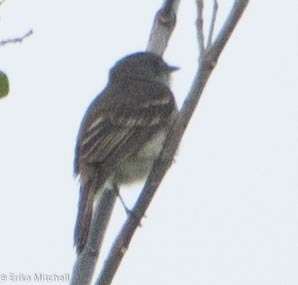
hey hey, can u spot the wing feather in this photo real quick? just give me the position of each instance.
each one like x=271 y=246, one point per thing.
x=121 y=128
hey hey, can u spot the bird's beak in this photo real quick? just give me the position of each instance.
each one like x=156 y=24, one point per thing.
x=173 y=68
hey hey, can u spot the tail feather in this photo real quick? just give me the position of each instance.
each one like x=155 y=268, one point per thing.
x=88 y=190
x=84 y=216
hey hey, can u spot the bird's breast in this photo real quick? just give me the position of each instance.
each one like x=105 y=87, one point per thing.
x=152 y=148
x=138 y=166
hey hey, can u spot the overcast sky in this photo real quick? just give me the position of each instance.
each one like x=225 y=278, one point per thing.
x=226 y=213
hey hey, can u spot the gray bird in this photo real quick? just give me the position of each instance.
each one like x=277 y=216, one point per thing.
x=122 y=132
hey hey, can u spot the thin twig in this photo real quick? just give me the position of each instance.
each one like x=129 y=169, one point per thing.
x=2 y=2
x=212 y=24
x=200 y=27
x=160 y=167
x=227 y=28
x=16 y=40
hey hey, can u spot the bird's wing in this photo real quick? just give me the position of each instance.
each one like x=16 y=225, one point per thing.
x=113 y=134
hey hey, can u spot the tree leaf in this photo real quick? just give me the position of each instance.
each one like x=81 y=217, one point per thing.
x=4 y=84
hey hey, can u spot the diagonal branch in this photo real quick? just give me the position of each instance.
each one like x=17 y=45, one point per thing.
x=15 y=40
x=205 y=67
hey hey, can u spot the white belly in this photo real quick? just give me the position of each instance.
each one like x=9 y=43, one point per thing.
x=138 y=166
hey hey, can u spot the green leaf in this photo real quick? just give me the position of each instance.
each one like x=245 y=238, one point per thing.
x=4 y=84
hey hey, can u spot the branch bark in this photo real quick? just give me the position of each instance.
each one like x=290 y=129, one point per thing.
x=200 y=27
x=163 y=26
x=206 y=65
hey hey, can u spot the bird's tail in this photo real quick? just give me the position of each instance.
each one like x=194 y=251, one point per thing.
x=87 y=193
x=106 y=193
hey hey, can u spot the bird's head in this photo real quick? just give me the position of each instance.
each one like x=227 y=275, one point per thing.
x=142 y=65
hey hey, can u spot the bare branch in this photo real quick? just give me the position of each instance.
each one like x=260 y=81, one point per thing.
x=228 y=27
x=205 y=68
x=160 y=167
x=212 y=24
x=200 y=27
x=163 y=26
x=16 y=40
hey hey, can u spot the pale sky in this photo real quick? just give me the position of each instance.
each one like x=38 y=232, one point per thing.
x=227 y=211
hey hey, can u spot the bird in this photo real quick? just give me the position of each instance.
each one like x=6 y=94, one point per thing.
x=122 y=132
